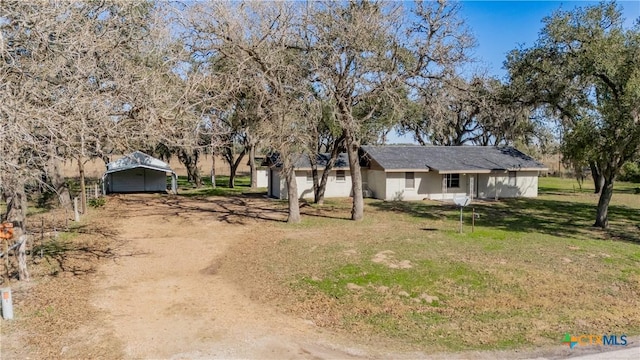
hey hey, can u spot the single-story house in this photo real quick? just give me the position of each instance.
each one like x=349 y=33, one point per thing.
x=138 y=172
x=338 y=182
x=413 y=172
x=444 y=172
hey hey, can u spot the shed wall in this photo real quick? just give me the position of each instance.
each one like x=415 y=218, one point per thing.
x=262 y=177
x=137 y=180
x=275 y=184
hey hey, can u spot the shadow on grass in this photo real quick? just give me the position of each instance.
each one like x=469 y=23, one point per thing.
x=431 y=211
x=551 y=217
x=79 y=257
x=221 y=191
x=234 y=209
x=231 y=209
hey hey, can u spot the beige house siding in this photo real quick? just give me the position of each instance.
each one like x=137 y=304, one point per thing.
x=395 y=186
x=441 y=192
x=376 y=183
x=497 y=185
x=528 y=183
x=334 y=187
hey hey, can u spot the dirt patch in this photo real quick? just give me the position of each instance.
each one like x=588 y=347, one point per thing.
x=387 y=258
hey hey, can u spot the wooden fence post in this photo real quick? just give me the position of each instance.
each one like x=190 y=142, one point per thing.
x=5 y=250
x=23 y=273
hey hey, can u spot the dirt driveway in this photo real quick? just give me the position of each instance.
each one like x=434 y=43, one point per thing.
x=167 y=300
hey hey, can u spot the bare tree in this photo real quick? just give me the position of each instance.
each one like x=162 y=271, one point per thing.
x=80 y=68
x=259 y=74
x=481 y=111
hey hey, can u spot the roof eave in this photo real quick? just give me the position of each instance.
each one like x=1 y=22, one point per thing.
x=463 y=171
x=406 y=170
x=139 y=166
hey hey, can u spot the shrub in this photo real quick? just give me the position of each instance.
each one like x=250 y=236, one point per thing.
x=97 y=202
x=630 y=172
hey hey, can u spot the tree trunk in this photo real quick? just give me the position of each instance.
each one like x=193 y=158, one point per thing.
x=195 y=173
x=232 y=177
x=316 y=181
x=233 y=166
x=322 y=186
x=56 y=180
x=357 y=210
x=598 y=178
x=602 y=219
x=292 y=194
x=16 y=200
x=252 y=166
x=190 y=160
x=83 y=191
x=23 y=272
x=213 y=170
x=59 y=184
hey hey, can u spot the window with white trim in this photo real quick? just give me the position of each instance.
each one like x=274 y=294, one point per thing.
x=409 y=180
x=340 y=176
x=512 y=178
x=309 y=177
x=453 y=181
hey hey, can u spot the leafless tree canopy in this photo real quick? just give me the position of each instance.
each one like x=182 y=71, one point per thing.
x=84 y=79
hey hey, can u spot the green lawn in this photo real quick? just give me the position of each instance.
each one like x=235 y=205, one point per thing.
x=242 y=186
x=532 y=270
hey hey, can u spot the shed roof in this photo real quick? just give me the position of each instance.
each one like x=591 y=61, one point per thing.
x=451 y=159
x=137 y=159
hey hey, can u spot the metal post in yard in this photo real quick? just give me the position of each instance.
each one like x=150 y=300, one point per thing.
x=461 y=219
x=7 y=304
x=473 y=219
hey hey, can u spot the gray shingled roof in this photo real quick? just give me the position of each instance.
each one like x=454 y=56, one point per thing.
x=135 y=160
x=303 y=163
x=451 y=158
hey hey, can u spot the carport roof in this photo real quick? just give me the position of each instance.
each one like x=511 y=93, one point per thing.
x=137 y=159
x=451 y=159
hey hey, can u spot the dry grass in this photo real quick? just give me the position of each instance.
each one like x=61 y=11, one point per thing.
x=53 y=312
x=532 y=270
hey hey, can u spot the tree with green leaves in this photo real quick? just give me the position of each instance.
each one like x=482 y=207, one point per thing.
x=585 y=70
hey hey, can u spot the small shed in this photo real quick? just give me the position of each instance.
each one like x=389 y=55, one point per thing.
x=138 y=172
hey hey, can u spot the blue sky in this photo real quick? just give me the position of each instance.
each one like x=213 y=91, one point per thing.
x=501 y=26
